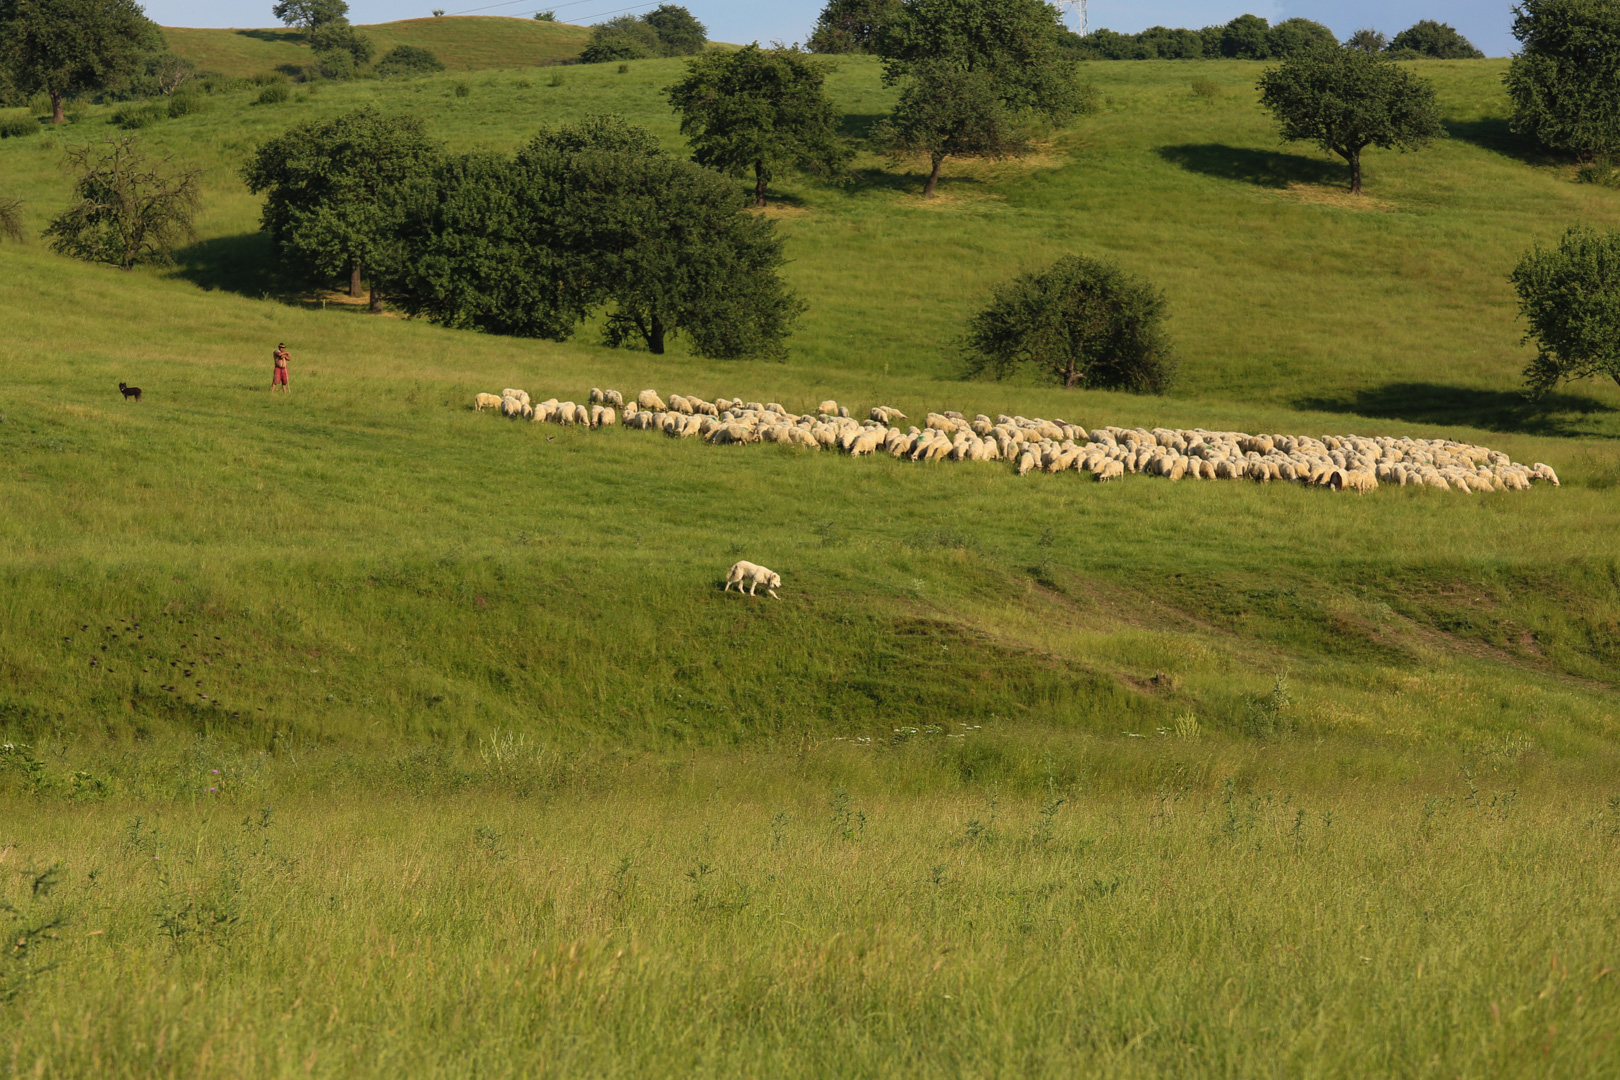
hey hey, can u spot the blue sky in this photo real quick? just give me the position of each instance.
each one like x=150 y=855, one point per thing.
x=1484 y=22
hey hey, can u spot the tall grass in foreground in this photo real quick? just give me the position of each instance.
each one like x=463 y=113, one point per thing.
x=812 y=914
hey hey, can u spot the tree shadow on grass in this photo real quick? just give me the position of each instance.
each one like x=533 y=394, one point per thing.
x=858 y=125
x=1565 y=415
x=1262 y=168
x=294 y=37
x=1495 y=135
x=243 y=264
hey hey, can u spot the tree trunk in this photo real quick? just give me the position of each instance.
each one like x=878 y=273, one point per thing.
x=354 y=279
x=1071 y=377
x=376 y=298
x=1355 y=172
x=655 y=337
x=933 y=177
x=759 y=185
x=56 y=107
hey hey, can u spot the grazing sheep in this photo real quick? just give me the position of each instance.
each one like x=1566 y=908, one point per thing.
x=747 y=573
x=1544 y=472
x=649 y=400
x=519 y=394
x=486 y=401
x=830 y=407
x=1110 y=470
x=597 y=397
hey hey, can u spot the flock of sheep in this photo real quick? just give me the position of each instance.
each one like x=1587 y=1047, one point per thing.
x=1344 y=462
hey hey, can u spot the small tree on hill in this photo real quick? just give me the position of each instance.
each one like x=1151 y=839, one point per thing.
x=679 y=32
x=340 y=49
x=1082 y=322
x=1367 y=40
x=1570 y=296
x=336 y=190
x=310 y=13
x=1565 y=80
x=623 y=38
x=973 y=72
x=128 y=208
x=65 y=47
x=758 y=110
x=1435 y=40
x=851 y=26
x=1344 y=101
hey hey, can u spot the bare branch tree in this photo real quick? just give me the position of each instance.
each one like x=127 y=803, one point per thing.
x=11 y=218
x=129 y=208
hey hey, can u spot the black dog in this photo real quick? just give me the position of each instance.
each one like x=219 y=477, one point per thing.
x=130 y=392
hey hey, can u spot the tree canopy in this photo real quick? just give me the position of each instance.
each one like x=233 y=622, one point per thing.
x=972 y=72
x=596 y=216
x=66 y=47
x=310 y=13
x=759 y=110
x=408 y=60
x=1081 y=322
x=1345 y=100
x=1570 y=297
x=335 y=193
x=1565 y=80
x=668 y=30
x=1435 y=41
x=851 y=26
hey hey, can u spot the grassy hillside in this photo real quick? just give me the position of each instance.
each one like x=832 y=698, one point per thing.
x=1020 y=775
x=462 y=43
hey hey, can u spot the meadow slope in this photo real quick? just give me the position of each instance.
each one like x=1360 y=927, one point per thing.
x=463 y=43
x=378 y=736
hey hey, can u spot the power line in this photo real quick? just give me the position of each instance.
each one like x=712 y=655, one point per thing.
x=509 y=3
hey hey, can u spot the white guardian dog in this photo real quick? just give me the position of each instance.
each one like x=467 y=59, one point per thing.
x=746 y=573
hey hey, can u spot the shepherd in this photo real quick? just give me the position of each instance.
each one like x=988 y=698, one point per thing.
x=279 y=376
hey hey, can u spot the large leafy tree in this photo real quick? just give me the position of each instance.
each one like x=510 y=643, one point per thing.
x=336 y=191
x=1565 y=80
x=66 y=47
x=1081 y=322
x=1570 y=296
x=667 y=30
x=759 y=110
x=596 y=216
x=851 y=26
x=1435 y=40
x=1345 y=100
x=972 y=73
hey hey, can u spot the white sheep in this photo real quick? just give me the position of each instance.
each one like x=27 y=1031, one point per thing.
x=486 y=401
x=747 y=573
x=650 y=401
x=519 y=394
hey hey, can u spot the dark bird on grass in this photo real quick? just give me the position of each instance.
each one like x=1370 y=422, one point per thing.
x=129 y=391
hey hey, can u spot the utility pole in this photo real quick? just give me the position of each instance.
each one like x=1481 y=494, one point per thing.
x=1079 y=6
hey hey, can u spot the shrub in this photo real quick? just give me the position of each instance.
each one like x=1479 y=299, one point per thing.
x=545 y=16
x=1206 y=88
x=135 y=117
x=1435 y=41
x=668 y=30
x=462 y=89
x=408 y=60
x=274 y=94
x=1570 y=296
x=186 y=104
x=15 y=127
x=1082 y=322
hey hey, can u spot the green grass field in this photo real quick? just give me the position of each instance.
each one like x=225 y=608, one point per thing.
x=1002 y=784
x=464 y=43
